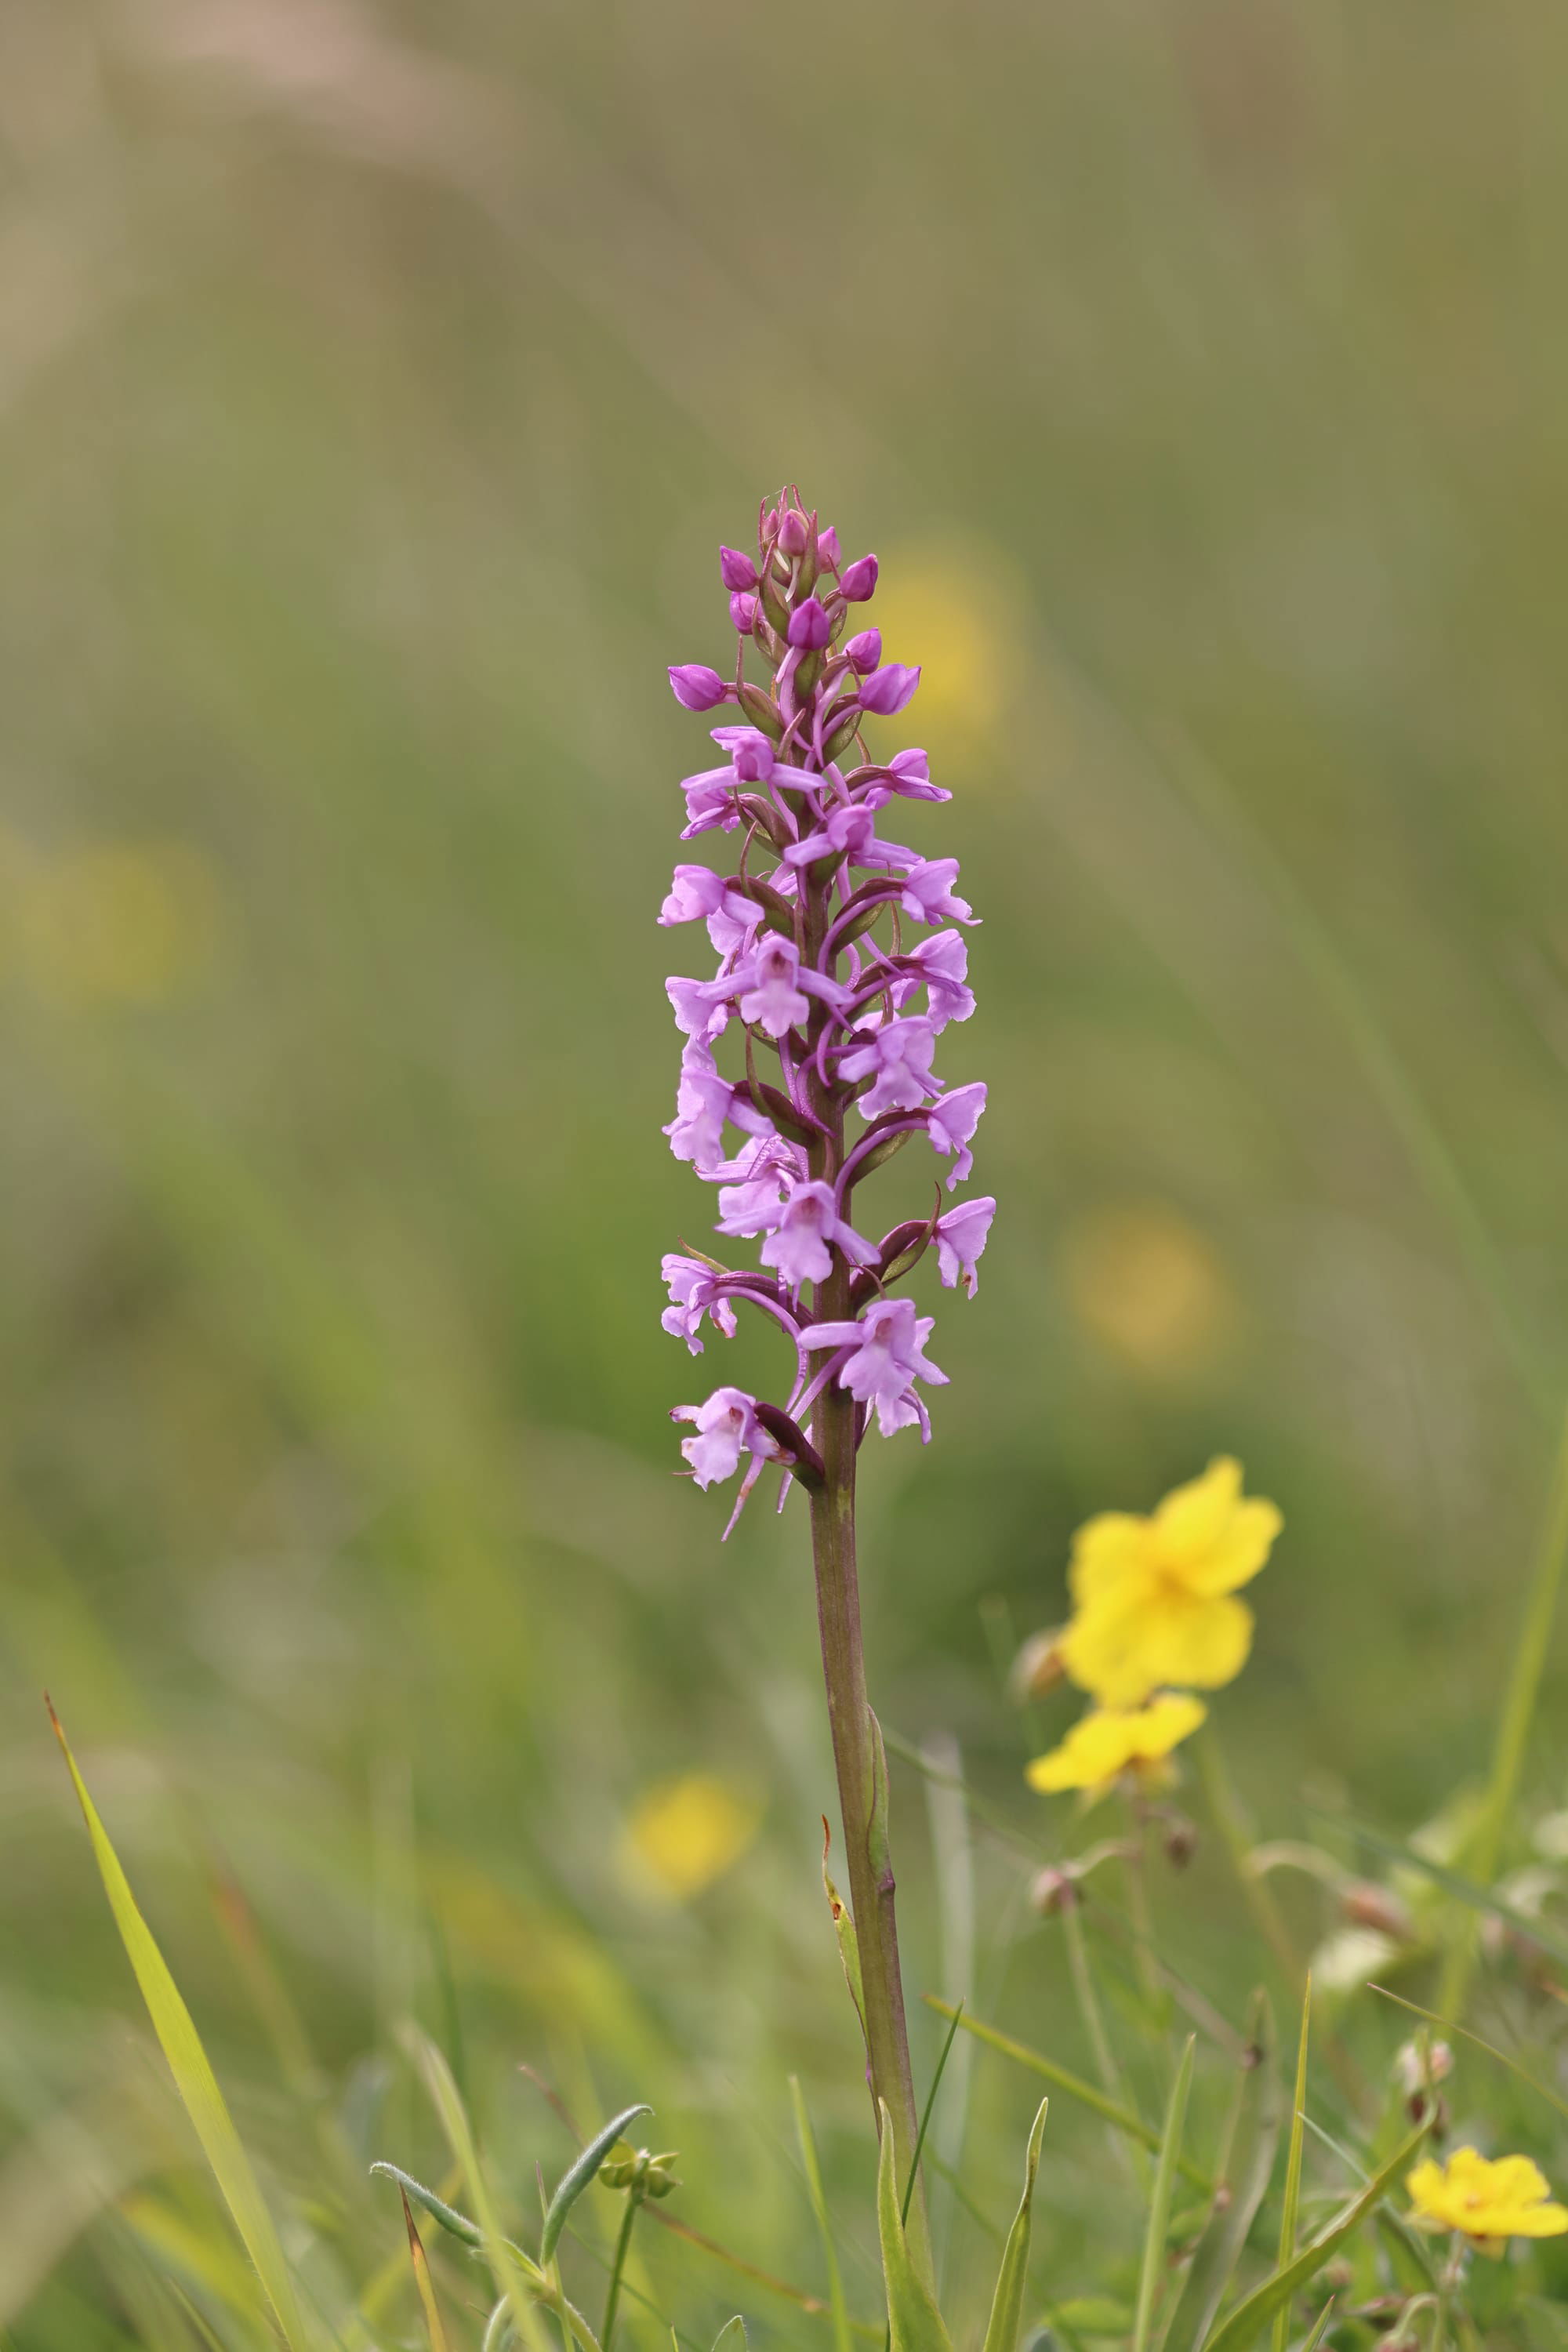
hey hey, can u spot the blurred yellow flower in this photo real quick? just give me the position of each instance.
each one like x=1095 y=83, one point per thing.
x=1146 y=1284
x=953 y=609
x=684 y=1832
x=1109 y=1741
x=1490 y=2201
x=115 y=923
x=1154 y=1598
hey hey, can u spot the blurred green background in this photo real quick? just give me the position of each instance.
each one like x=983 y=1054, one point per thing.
x=377 y=383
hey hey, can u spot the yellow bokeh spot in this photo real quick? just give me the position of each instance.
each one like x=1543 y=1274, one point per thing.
x=114 y=923
x=684 y=1833
x=952 y=607
x=1147 y=1284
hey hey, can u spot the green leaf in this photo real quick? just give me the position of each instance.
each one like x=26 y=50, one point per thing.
x=844 y=1929
x=1251 y=2316
x=449 y=2217
x=1007 y=2302
x=732 y=2328
x=1292 y=2200
x=1090 y=2315
x=1154 y=2255
x=580 y=2176
x=193 y=2073
x=1074 y=2086
x=1245 y=2171
x=842 y=2339
x=914 y=2323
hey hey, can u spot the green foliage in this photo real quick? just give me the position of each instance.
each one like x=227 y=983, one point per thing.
x=1007 y=2302
x=914 y=2323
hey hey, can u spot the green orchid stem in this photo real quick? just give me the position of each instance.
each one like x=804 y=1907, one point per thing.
x=856 y=1745
x=612 y=2292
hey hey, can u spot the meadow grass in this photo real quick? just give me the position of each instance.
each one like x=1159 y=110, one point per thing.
x=378 y=382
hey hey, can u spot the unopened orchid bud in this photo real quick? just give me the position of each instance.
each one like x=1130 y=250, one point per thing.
x=744 y=612
x=770 y=523
x=888 y=690
x=860 y=581
x=696 y=687
x=809 y=626
x=864 y=652
x=735 y=570
x=792 y=532
x=1052 y=1892
x=828 y=547
x=1038 y=1670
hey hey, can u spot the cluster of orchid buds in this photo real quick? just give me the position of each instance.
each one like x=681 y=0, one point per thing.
x=823 y=1004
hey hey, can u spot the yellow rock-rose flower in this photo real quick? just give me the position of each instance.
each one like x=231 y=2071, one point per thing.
x=1489 y=2199
x=1109 y=1741
x=1155 y=1597
x=685 y=1833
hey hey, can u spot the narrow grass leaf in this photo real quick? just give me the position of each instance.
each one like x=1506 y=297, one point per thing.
x=1073 y=2085
x=1155 y=2256
x=1320 y=2326
x=1245 y=2169
x=926 y=2112
x=1551 y=1940
x=193 y=2073
x=914 y=2323
x=582 y=2173
x=1007 y=2302
x=517 y=2279
x=1251 y=2316
x=1513 y=2065
x=426 y=2286
x=1291 y=2204
x=458 y=2224
x=733 y=2333
x=842 y=2339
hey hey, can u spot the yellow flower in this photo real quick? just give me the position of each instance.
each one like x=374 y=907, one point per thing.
x=117 y=923
x=1489 y=2199
x=1155 y=1597
x=683 y=1834
x=1109 y=1741
x=1149 y=1287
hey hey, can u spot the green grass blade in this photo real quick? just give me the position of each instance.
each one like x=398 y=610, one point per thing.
x=914 y=2323
x=1251 y=2316
x=1320 y=2326
x=1514 y=1724
x=926 y=2112
x=1244 y=2172
x=582 y=2173
x=842 y=2339
x=517 y=2280
x=193 y=2073
x=1552 y=1941
x=1501 y=2056
x=1073 y=2085
x=1159 y=2201
x=423 y=2283
x=1007 y=2302
x=1291 y=2205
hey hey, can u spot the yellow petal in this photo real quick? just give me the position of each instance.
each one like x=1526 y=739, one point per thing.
x=1191 y=1518
x=1106 y=1552
x=1239 y=1551
x=1539 y=2221
x=1123 y=1649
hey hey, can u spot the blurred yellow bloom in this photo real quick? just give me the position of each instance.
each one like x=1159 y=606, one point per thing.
x=1155 y=1597
x=1146 y=1284
x=115 y=923
x=1109 y=1741
x=1489 y=2199
x=952 y=608
x=685 y=1833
